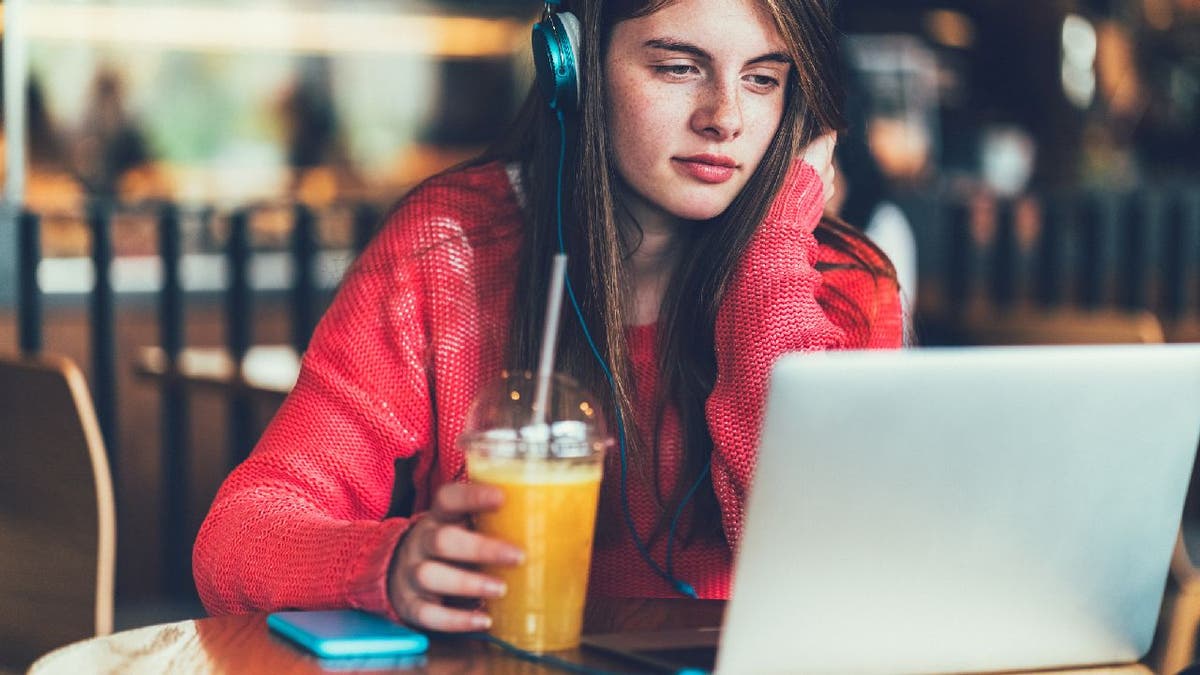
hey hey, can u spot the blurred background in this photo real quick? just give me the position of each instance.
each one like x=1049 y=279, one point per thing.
x=189 y=179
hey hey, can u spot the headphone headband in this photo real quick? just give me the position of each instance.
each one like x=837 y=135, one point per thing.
x=556 y=41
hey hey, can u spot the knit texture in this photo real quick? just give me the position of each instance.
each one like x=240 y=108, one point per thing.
x=420 y=322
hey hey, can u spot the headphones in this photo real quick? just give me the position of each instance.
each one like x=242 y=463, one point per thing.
x=556 y=41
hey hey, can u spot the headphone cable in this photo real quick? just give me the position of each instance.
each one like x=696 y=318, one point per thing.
x=679 y=585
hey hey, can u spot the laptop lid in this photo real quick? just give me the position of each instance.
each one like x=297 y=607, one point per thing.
x=947 y=510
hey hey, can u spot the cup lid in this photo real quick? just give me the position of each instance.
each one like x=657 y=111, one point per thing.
x=502 y=416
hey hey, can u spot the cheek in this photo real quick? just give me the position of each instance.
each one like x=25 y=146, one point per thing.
x=645 y=138
x=639 y=119
x=762 y=122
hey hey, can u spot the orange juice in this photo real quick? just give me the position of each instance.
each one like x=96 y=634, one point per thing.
x=549 y=511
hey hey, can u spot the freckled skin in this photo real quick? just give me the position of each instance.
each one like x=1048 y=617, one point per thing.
x=668 y=103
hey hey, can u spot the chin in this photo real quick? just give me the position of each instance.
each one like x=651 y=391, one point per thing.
x=699 y=208
x=700 y=211
x=698 y=214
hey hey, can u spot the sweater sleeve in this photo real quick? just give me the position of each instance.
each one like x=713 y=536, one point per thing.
x=300 y=524
x=770 y=308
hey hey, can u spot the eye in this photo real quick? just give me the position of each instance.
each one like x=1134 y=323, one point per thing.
x=762 y=82
x=676 y=70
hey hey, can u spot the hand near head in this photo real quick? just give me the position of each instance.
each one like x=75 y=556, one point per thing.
x=436 y=557
x=808 y=185
x=819 y=155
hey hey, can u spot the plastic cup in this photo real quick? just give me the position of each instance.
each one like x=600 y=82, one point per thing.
x=550 y=475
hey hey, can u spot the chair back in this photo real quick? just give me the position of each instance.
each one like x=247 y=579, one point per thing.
x=57 y=516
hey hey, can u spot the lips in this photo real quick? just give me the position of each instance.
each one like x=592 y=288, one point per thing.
x=707 y=168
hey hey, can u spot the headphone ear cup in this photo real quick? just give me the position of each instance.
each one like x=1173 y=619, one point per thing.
x=556 y=42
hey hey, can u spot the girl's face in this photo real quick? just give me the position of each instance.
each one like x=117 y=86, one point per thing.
x=696 y=93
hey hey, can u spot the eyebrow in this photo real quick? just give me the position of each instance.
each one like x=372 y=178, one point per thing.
x=670 y=45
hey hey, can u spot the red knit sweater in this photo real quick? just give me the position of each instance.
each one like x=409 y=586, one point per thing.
x=421 y=320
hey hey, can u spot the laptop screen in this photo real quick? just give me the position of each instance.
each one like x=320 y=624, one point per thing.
x=951 y=510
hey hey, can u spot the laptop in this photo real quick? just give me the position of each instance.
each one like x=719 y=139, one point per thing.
x=955 y=510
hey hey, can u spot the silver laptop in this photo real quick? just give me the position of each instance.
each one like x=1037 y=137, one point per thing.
x=950 y=510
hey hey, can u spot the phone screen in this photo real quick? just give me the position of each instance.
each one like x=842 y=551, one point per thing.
x=347 y=633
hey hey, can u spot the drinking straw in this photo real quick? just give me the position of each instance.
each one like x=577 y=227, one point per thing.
x=558 y=275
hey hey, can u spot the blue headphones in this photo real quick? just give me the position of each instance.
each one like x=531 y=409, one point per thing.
x=556 y=41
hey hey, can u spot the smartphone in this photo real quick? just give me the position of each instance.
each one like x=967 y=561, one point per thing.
x=341 y=633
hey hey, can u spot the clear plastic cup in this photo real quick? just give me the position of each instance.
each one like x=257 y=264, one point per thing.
x=550 y=475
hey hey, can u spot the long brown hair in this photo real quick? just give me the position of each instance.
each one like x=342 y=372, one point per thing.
x=599 y=247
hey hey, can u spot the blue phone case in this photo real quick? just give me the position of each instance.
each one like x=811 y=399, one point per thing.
x=347 y=633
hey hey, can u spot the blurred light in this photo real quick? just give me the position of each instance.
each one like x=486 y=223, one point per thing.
x=1118 y=83
x=950 y=28
x=1007 y=155
x=1079 y=86
x=1079 y=41
x=234 y=30
x=199 y=272
x=1079 y=60
x=901 y=146
x=1159 y=13
x=1185 y=90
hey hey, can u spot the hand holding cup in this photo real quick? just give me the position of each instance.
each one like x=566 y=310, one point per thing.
x=437 y=560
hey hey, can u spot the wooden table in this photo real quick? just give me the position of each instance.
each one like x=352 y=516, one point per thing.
x=242 y=644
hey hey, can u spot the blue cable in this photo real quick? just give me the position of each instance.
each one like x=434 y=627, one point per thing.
x=679 y=585
x=674 y=521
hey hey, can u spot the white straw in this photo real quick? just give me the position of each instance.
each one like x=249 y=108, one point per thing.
x=558 y=275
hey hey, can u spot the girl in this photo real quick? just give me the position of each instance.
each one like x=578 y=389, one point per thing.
x=698 y=255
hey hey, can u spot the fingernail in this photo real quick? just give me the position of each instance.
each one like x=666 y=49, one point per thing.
x=481 y=621
x=496 y=589
x=516 y=556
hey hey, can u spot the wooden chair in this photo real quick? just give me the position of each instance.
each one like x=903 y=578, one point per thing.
x=1179 y=621
x=57 y=515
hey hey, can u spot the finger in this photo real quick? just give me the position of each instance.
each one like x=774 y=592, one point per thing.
x=438 y=578
x=829 y=179
x=455 y=501
x=819 y=153
x=451 y=542
x=434 y=616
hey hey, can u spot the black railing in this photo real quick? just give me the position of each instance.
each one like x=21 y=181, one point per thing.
x=29 y=298
x=1181 y=258
x=1132 y=251
x=304 y=253
x=174 y=410
x=304 y=310
x=104 y=344
x=239 y=334
x=1091 y=251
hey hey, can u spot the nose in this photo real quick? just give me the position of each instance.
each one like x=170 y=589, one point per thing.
x=718 y=115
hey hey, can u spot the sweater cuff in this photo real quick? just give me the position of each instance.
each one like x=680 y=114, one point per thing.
x=800 y=200
x=367 y=581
